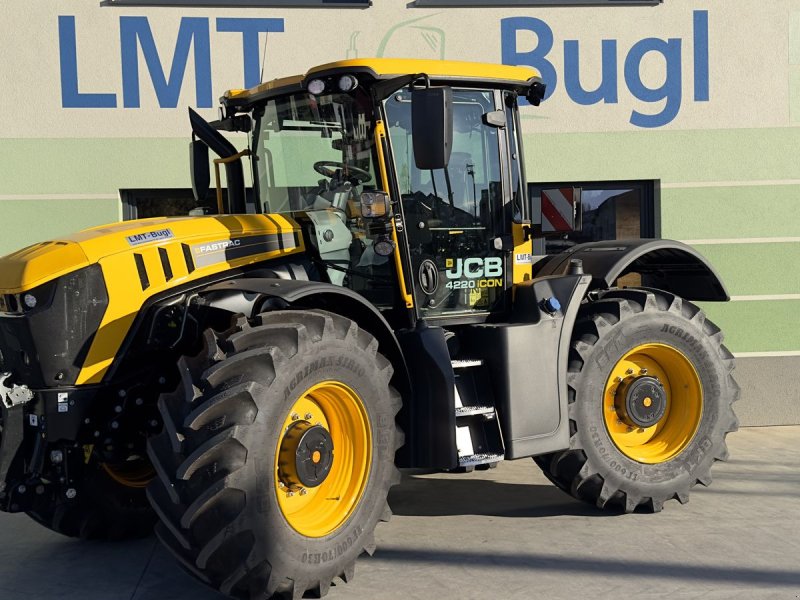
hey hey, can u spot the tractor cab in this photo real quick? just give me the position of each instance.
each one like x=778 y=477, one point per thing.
x=407 y=176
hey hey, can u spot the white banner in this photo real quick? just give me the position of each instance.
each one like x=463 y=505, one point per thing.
x=76 y=69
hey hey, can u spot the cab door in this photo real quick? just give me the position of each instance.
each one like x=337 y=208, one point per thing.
x=454 y=215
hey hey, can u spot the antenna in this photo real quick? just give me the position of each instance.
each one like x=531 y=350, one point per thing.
x=264 y=56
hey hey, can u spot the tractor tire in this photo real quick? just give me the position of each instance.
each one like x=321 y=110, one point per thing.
x=650 y=402
x=111 y=505
x=277 y=455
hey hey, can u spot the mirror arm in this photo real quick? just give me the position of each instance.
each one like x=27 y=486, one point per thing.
x=384 y=89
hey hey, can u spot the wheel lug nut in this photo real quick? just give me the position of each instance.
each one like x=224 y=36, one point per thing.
x=295 y=416
x=629 y=372
x=643 y=372
x=309 y=416
x=618 y=379
x=303 y=491
x=289 y=494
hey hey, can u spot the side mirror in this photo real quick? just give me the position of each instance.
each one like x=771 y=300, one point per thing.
x=198 y=165
x=432 y=126
x=536 y=92
x=562 y=210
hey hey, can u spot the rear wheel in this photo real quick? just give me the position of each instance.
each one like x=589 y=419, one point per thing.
x=650 y=395
x=277 y=455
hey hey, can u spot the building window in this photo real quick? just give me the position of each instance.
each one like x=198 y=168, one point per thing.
x=610 y=210
x=178 y=202
x=244 y=3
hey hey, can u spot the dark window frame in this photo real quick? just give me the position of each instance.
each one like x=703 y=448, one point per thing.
x=649 y=205
x=244 y=3
x=129 y=198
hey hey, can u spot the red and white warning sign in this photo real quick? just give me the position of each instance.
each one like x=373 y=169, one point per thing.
x=559 y=209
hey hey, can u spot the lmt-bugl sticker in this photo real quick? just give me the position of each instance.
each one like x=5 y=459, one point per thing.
x=150 y=236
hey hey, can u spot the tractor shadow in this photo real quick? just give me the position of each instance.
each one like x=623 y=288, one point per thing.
x=422 y=495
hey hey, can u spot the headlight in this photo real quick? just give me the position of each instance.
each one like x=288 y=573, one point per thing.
x=348 y=83
x=316 y=86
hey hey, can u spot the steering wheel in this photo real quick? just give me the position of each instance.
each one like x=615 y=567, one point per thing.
x=325 y=167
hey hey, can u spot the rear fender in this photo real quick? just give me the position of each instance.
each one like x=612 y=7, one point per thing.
x=663 y=264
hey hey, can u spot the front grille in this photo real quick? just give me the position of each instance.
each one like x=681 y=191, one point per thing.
x=18 y=351
x=10 y=304
x=47 y=345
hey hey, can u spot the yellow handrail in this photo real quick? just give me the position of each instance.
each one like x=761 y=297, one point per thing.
x=222 y=161
x=380 y=134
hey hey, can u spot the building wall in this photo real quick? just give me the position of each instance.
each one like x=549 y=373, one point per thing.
x=702 y=96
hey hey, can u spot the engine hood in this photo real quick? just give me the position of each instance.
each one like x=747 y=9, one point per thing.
x=37 y=264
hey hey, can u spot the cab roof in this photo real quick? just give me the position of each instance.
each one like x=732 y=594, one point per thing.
x=386 y=68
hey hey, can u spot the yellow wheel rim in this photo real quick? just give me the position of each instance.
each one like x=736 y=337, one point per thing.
x=655 y=427
x=136 y=474
x=338 y=414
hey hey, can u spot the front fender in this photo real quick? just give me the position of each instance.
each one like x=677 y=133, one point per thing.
x=663 y=264
x=251 y=295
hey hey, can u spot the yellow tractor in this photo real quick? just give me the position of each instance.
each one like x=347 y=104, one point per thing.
x=252 y=380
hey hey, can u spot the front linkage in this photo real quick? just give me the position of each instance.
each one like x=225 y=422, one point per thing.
x=58 y=445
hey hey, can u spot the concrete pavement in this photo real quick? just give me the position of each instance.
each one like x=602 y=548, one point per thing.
x=504 y=533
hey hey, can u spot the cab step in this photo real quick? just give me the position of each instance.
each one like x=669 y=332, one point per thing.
x=478 y=437
x=466 y=363
x=471 y=411
x=479 y=459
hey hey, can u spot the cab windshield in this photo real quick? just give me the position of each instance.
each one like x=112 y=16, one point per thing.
x=314 y=152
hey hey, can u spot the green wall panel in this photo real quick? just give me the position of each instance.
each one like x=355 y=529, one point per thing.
x=756 y=269
x=730 y=212
x=101 y=165
x=93 y=166
x=26 y=222
x=758 y=326
x=671 y=156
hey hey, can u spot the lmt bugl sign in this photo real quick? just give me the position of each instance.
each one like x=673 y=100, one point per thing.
x=670 y=50
x=193 y=38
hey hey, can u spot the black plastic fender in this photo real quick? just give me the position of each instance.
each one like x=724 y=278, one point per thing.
x=663 y=264
x=250 y=296
x=528 y=359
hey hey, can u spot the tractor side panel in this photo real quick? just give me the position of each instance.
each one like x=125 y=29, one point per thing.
x=143 y=272
x=528 y=363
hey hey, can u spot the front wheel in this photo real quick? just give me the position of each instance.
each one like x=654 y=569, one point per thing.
x=277 y=455
x=650 y=395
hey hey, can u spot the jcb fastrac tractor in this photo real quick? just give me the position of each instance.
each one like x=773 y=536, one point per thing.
x=253 y=379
